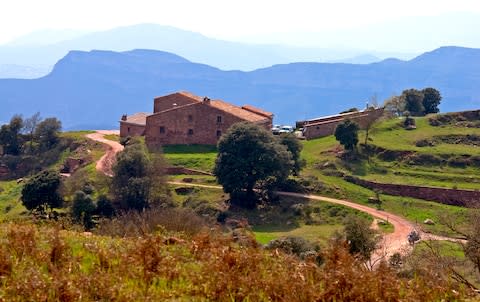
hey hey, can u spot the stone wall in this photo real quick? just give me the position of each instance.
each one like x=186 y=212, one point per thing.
x=196 y=123
x=326 y=126
x=127 y=129
x=463 y=198
x=170 y=101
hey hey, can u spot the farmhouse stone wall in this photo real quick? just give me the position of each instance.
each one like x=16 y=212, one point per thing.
x=163 y=103
x=326 y=126
x=196 y=123
x=463 y=198
x=127 y=129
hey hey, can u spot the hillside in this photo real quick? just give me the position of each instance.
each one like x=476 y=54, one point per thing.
x=92 y=89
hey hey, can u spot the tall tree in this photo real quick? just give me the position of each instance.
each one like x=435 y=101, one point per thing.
x=347 y=134
x=249 y=155
x=431 y=100
x=41 y=192
x=46 y=132
x=10 y=137
x=413 y=101
x=131 y=181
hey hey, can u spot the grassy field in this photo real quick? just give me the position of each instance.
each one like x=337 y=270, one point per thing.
x=10 y=204
x=315 y=233
x=391 y=135
x=198 y=157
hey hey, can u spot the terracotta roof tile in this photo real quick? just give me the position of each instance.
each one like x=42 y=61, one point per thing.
x=237 y=111
x=139 y=118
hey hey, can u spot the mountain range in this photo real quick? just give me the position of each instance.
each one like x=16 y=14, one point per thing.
x=45 y=48
x=93 y=89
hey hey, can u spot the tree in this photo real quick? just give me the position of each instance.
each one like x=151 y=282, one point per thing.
x=431 y=100
x=361 y=239
x=47 y=131
x=395 y=105
x=41 y=192
x=131 y=183
x=10 y=136
x=413 y=101
x=295 y=148
x=83 y=209
x=347 y=134
x=29 y=126
x=249 y=155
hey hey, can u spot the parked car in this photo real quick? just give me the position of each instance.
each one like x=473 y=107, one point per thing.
x=276 y=129
x=286 y=129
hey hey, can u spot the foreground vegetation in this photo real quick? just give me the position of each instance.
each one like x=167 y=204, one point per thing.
x=40 y=263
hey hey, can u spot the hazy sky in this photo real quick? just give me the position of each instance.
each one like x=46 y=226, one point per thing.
x=216 y=18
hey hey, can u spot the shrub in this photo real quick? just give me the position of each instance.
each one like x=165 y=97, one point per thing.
x=133 y=223
x=296 y=246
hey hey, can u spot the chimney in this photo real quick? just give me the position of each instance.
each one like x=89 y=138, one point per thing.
x=124 y=117
x=206 y=100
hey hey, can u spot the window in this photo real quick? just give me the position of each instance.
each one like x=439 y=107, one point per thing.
x=128 y=129
x=219 y=133
x=162 y=129
x=219 y=119
x=190 y=117
x=190 y=131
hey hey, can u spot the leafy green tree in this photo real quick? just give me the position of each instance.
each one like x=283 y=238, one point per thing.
x=131 y=181
x=46 y=132
x=10 y=137
x=431 y=100
x=413 y=101
x=41 y=192
x=361 y=239
x=295 y=148
x=83 y=208
x=249 y=155
x=347 y=134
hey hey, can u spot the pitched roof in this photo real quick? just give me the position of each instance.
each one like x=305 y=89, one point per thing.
x=257 y=111
x=246 y=112
x=237 y=111
x=180 y=95
x=139 y=118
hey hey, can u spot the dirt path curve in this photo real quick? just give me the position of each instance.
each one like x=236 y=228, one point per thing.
x=395 y=242
x=391 y=243
x=105 y=163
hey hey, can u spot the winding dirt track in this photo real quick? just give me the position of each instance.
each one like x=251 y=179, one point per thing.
x=105 y=163
x=391 y=243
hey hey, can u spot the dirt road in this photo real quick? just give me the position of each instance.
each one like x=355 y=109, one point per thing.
x=391 y=243
x=105 y=163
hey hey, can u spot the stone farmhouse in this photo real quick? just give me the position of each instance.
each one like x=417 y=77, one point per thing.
x=184 y=118
x=325 y=126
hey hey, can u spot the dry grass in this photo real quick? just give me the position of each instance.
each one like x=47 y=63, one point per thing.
x=45 y=264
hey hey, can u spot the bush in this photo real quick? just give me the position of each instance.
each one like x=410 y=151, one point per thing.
x=134 y=223
x=296 y=246
x=41 y=192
